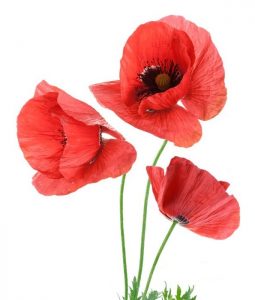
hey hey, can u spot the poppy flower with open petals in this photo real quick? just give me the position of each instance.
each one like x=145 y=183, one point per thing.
x=63 y=139
x=195 y=199
x=164 y=63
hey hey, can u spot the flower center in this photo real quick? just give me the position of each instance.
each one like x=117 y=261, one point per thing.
x=181 y=220
x=157 y=78
x=163 y=81
x=63 y=137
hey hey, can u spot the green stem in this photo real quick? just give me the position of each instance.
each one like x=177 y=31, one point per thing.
x=139 y=276
x=122 y=233
x=157 y=258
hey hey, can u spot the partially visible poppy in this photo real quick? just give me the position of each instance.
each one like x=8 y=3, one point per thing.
x=171 y=75
x=63 y=139
x=195 y=199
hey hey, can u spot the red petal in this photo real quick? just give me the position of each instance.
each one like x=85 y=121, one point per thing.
x=222 y=221
x=80 y=110
x=156 y=176
x=111 y=132
x=83 y=143
x=224 y=184
x=207 y=95
x=75 y=108
x=154 y=43
x=108 y=95
x=176 y=125
x=199 y=197
x=44 y=88
x=165 y=100
x=50 y=186
x=39 y=135
x=115 y=159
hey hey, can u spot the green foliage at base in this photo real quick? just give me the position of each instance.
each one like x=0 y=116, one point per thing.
x=166 y=294
x=133 y=291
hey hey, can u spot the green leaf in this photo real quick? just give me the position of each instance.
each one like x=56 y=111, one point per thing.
x=133 y=291
x=187 y=295
x=179 y=293
x=167 y=294
x=153 y=295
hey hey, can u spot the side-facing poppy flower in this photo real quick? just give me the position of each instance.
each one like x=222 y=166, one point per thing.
x=171 y=75
x=195 y=199
x=63 y=139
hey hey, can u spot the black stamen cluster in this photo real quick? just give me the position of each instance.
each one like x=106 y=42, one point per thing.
x=149 y=74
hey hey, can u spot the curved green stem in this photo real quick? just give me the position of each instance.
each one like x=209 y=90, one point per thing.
x=122 y=233
x=157 y=258
x=139 y=276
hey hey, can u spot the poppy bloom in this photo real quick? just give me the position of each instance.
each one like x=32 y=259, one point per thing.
x=195 y=199
x=171 y=75
x=63 y=139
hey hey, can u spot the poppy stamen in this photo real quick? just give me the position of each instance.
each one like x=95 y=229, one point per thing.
x=100 y=135
x=158 y=78
x=63 y=140
x=101 y=143
x=181 y=220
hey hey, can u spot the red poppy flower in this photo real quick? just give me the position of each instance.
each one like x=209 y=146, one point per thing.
x=171 y=75
x=195 y=199
x=63 y=139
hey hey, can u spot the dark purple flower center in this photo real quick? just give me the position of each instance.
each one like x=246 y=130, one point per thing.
x=181 y=220
x=63 y=138
x=159 y=78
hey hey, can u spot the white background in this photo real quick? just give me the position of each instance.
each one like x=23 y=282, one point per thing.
x=68 y=248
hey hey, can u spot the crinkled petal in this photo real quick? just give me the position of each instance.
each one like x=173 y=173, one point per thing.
x=207 y=94
x=154 y=44
x=115 y=158
x=82 y=145
x=108 y=95
x=165 y=100
x=176 y=124
x=222 y=221
x=44 y=88
x=224 y=184
x=61 y=186
x=156 y=176
x=40 y=135
x=196 y=195
x=75 y=108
